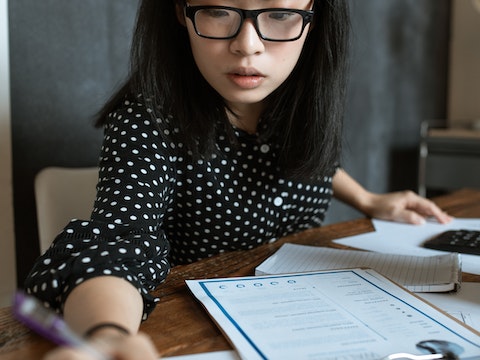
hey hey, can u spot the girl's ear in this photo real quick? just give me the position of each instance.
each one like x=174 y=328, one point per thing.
x=180 y=15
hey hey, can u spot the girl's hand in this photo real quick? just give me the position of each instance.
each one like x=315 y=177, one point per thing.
x=132 y=347
x=403 y=206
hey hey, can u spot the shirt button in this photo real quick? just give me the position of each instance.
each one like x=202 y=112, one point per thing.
x=264 y=148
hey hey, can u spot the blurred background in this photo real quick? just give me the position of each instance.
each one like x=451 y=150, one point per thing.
x=60 y=60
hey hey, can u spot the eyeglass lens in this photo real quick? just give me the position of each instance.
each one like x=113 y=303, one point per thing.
x=225 y=23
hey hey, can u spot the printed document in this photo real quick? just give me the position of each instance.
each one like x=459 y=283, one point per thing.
x=336 y=314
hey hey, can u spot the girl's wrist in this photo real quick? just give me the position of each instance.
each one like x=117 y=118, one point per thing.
x=365 y=203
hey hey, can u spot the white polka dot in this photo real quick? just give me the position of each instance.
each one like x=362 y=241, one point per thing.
x=265 y=148
x=278 y=201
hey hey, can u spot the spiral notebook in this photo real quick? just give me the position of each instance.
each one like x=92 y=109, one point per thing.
x=439 y=273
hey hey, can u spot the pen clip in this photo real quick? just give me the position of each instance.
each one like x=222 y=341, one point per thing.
x=32 y=313
x=40 y=319
x=439 y=349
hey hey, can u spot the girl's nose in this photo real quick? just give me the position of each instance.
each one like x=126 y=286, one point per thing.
x=247 y=42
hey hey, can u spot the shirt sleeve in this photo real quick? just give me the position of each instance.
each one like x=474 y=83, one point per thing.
x=124 y=236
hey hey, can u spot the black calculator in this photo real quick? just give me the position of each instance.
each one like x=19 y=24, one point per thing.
x=460 y=241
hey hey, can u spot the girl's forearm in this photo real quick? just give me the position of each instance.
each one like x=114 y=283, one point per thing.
x=349 y=191
x=104 y=299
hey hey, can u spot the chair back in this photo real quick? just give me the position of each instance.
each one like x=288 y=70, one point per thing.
x=62 y=194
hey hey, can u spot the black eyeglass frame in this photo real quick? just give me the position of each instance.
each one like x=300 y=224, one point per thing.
x=190 y=11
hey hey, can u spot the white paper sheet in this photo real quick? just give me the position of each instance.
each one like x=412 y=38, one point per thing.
x=351 y=314
x=463 y=304
x=396 y=238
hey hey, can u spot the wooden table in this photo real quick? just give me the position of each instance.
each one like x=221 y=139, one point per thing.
x=179 y=325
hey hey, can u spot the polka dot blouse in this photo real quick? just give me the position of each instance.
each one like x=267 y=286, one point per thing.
x=157 y=206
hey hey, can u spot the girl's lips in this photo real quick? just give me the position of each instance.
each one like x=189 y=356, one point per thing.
x=246 y=81
x=246 y=78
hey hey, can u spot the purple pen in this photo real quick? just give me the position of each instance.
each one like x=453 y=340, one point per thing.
x=31 y=312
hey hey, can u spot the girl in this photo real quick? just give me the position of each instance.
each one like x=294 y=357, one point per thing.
x=225 y=136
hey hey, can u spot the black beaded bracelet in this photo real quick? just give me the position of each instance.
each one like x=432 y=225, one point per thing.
x=103 y=325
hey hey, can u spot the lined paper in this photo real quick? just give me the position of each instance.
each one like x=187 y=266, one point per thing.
x=439 y=273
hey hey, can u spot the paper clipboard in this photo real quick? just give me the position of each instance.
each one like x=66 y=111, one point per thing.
x=384 y=316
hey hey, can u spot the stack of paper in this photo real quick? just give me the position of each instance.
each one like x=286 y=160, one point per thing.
x=439 y=273
x=397 y=238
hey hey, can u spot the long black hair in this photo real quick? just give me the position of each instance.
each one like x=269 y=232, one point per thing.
x=304 y=115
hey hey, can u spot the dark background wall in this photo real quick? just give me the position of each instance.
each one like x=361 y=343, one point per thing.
x=66 y=59
x=68 y=56
x=399 y=75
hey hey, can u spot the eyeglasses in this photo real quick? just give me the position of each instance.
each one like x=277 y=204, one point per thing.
x=223 y=22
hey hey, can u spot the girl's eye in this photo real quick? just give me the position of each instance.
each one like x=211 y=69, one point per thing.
x=280 y=16
x=216 y=13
